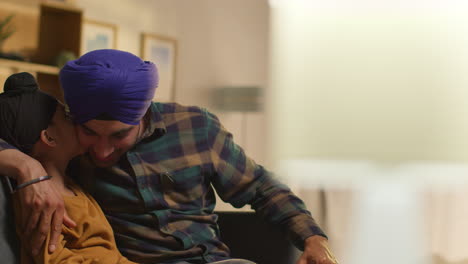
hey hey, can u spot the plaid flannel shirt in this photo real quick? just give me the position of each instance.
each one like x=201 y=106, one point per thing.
x=159 y=198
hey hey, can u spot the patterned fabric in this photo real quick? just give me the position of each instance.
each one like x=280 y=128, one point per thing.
x=91 y=241
x=160 y=197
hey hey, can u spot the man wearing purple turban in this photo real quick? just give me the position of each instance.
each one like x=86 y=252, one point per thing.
x=153 y=168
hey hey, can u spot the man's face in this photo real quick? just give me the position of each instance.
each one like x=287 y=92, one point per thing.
x=106 y=141
x=64 y=134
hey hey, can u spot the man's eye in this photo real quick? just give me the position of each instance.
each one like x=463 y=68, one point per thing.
x=120 y=135
x=88 y=132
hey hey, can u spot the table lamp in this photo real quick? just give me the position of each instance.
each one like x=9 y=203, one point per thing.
x=242 y=99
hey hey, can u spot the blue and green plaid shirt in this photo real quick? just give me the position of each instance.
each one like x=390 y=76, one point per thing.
x=160 y=197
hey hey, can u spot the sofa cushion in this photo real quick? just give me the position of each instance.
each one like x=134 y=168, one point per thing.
x=250 y=237
x=9 y=246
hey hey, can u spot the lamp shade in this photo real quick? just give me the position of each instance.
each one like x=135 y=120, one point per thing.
x=238 y=99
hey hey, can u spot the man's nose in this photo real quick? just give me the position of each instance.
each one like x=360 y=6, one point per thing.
x=103 y=149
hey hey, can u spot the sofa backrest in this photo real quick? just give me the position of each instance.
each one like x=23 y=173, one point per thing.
x=9 y=246
x=250 y=237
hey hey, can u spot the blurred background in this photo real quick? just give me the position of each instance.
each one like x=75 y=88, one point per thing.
x=360 y=106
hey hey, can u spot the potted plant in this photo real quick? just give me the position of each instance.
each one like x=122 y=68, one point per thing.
x=6 y=30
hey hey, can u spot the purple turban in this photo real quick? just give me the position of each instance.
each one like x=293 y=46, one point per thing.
x=111 y=83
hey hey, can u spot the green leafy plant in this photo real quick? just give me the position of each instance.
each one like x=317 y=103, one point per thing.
x=63 y=57
x=6 y=28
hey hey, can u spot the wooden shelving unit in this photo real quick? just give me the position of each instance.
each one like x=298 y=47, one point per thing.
x=20 y=66
x=59 y=30
x=59 y=27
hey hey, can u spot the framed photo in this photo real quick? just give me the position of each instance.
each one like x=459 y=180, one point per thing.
x=162 y=51
x=97 y=35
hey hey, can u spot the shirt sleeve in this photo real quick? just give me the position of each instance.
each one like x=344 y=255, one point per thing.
x=4 y=145
x=238 y=180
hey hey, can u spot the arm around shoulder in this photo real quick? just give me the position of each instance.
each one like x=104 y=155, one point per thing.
x=41 y=204
x=19 y=166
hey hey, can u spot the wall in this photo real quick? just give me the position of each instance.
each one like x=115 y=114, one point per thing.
x=376 y=112
x=224 y=43
x=220 y=43
x=132 y=18
x=371 y=81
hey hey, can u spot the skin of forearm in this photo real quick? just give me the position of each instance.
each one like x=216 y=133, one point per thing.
x=17 y=165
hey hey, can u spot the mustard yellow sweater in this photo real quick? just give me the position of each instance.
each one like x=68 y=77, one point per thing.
x=90 y=242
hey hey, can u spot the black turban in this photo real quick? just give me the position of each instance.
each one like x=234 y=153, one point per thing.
x=24 y=111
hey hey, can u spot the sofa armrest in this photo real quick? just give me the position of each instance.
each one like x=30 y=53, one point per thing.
x=250 y=237
x=9 y=245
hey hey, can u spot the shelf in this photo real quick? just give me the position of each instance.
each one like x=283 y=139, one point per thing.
x=54 y=25
x=60 y=6
x=20 y=66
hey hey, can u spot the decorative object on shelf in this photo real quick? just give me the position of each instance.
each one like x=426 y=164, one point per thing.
x=163 y=52
x=243 y=99
x=238 y=99
x=61 y=1
x=63 y=57
x=22 y=66
x=12 y=56
x=6 y=29
x=98 y=35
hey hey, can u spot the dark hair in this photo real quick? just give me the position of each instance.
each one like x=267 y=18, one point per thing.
x=24 y=111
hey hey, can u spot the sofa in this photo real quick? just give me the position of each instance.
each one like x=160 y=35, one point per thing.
x=247 y=235
x=250 y=237
x=9 y=245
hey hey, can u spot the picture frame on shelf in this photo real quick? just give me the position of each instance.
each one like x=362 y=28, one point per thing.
x=162 y=51
x=98 y=35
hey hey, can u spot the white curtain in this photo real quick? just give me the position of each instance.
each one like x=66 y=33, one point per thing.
x=445 y=219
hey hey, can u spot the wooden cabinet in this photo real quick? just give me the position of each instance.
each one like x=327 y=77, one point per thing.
x=59 y=29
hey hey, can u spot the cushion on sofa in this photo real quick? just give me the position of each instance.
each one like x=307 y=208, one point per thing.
x=9 y=246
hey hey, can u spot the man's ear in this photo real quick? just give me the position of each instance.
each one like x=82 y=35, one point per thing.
x=47 y=139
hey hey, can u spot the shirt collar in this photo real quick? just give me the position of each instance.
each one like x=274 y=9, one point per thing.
x=155 y=127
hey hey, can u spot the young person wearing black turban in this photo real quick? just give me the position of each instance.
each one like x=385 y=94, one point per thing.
x=154 y=168
x=38 y=125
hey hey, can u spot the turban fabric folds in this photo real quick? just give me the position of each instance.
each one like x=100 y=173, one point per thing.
x=24 y=111
x=109 y=82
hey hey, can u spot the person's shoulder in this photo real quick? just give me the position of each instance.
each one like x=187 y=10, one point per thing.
x=182 y=115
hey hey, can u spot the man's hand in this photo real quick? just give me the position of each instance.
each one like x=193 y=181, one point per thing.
x=43 y=210
x=41 y=204
x=317 y=251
